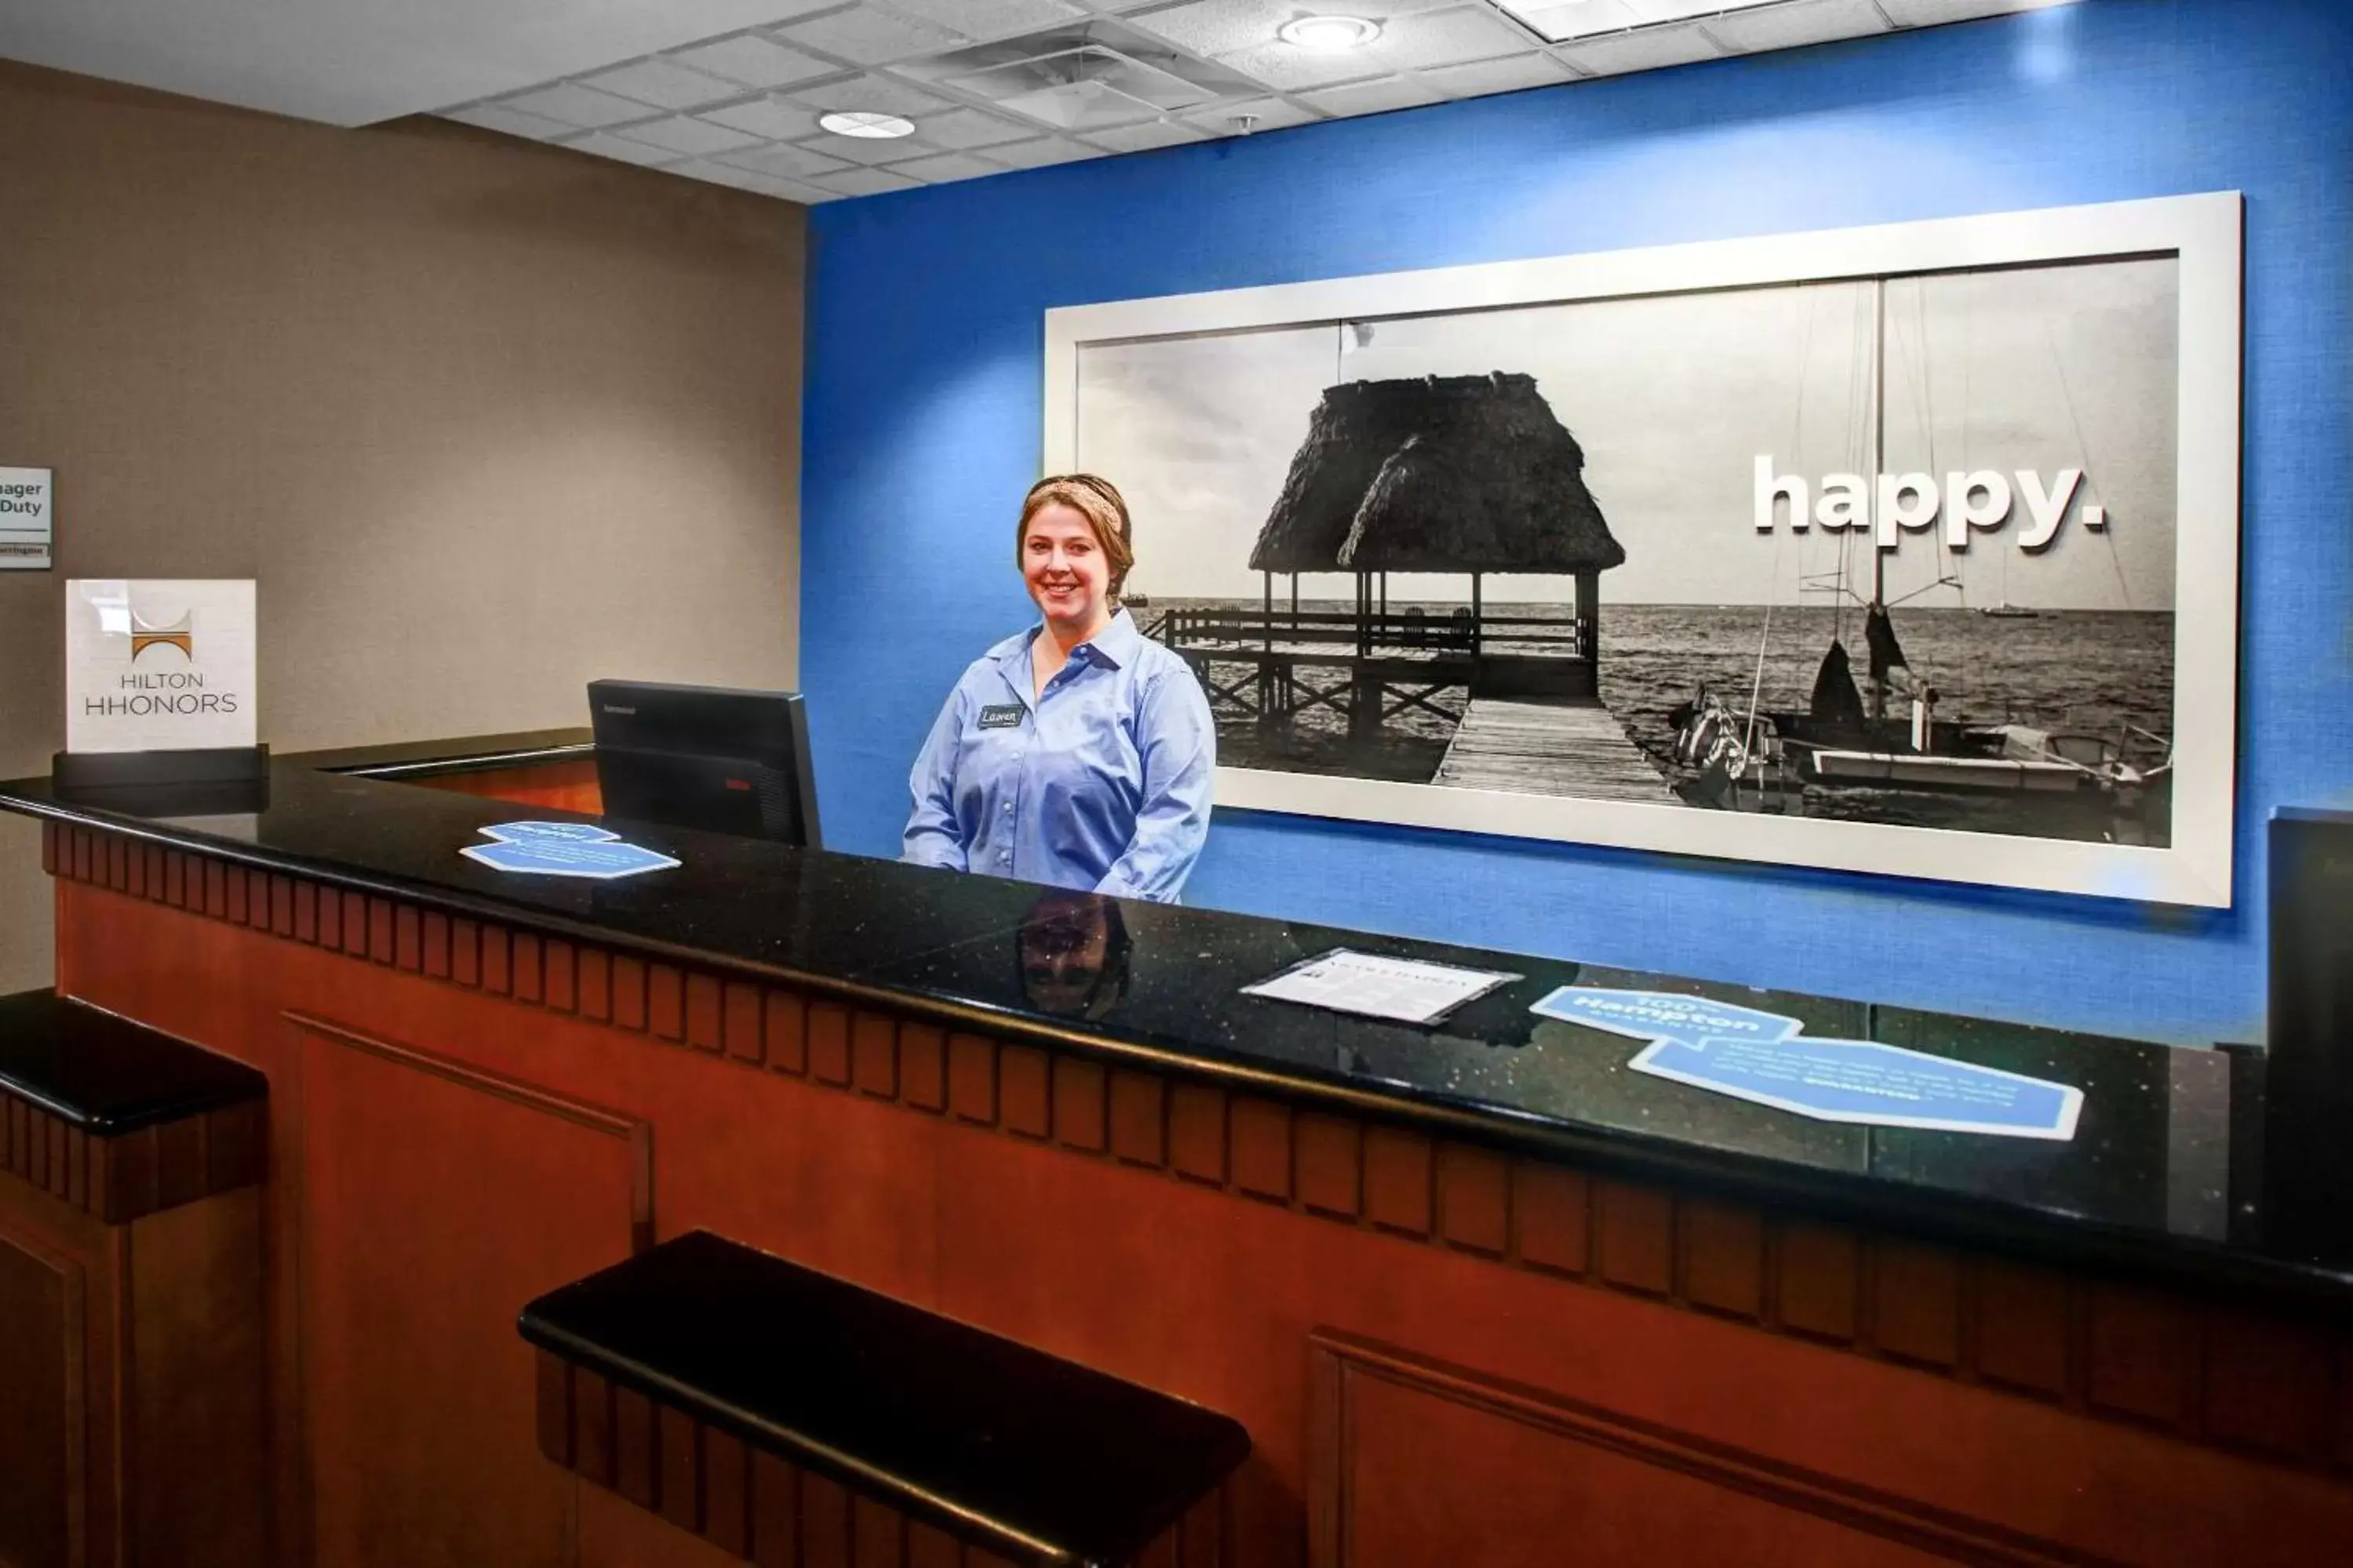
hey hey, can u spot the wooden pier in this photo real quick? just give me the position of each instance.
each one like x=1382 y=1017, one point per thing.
x=1550 y=747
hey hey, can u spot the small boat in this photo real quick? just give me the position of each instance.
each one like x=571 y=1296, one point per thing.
x=2007 y=759
x=2006 y=611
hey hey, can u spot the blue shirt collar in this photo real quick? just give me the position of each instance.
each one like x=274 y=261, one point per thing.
x=1116 y=646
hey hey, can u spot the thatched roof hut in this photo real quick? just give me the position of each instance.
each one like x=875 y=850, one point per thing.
x=1465 y=473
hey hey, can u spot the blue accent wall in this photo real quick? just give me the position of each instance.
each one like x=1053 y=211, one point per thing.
x=923 y=428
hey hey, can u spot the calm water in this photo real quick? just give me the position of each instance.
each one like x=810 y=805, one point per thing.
x=2077 y=671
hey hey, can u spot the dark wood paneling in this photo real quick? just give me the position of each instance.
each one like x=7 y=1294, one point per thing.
x=2091 y=1410
x=874 y=1055
x=1418 y=1462
x=1817 y=1281
x=1637 y=1236
x=1259 y=1132
x=1916 y=1303
x=2144 y=1355
x=1722 y=1259
x=1397 y=1180
x=421 y=1404
x=41 y=1480
x=1331 y=1165
x=119 y=1178
x=1081 y=1105
x=2025 y=1328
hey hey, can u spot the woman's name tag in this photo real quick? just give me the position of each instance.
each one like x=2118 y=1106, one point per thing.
x=1006 y=716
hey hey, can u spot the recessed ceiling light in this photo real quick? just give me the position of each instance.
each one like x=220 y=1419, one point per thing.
x=866 y=125
x=1329 y=34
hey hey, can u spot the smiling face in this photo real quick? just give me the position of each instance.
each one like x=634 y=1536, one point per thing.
x=1067 y=571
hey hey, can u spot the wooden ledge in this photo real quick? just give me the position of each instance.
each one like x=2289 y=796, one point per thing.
x=677 y=1377
x=117 y=1119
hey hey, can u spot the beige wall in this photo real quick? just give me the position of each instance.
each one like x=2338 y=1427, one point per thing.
x=486 y=419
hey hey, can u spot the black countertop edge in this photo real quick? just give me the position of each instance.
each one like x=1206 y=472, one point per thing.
x=465 y=754
x=706 y=1296
x=165 y=1080
x=783 y=1443
x=1958 y=1218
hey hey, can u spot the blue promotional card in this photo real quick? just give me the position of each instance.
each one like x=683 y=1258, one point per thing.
x=549 y=832
x=1763 y=1059
x=1663 y=1015
x=564 y=849
x=1864 y=1081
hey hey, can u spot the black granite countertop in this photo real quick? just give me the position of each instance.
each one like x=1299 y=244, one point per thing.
x=107 y=1075
x=2163 y=1179
x=1043 y=1458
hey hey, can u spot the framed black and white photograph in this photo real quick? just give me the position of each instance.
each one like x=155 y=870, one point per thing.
x=1909 y=550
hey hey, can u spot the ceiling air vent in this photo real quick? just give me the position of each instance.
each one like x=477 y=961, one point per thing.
x=1084 y=77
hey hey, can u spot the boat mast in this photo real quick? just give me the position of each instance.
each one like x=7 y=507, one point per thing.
x=1878 y=484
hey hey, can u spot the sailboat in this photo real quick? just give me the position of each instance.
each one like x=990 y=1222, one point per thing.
x=1846 y=738
x=2002 y=609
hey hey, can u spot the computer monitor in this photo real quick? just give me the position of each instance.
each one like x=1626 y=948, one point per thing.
x=705 y=757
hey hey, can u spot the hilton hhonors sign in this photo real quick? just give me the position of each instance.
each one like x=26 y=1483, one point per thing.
x=158 y=666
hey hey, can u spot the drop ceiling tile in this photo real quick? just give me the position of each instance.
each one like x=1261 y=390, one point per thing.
x=960 y=129
x=871 y=37
x=1645 y=50
x=1935 y=13
x=767 y=117
x=865 y=182
x=1507 y=75
x=1374 y=97
x=1145 y=137
x=870 y=149
x=1270 y=114
x=946 y=166
x=785 y=163
x=576 y=105
x=1288 y=67
x=1447 y=37
x=1219 y=26
x=1039 y=154
x=1225 y=26
x=880 y=94
x=989 y=18
x=755 y=61
x=1792 y=25
x=684 y=133
x=663 y=85
x=1560 y=20
x=604 y=146
x=512 y=121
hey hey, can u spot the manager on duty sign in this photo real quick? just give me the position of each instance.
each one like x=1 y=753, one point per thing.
x=27 y=509
x=155 y=666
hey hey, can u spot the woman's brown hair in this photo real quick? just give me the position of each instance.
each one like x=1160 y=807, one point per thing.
x=1094 y=498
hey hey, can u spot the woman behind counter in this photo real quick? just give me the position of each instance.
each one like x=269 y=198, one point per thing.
x=1078 y=752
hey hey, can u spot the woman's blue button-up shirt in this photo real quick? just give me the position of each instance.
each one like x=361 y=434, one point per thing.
x=1101 y=781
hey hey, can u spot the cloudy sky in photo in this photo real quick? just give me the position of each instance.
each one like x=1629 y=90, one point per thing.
x=1673 y=398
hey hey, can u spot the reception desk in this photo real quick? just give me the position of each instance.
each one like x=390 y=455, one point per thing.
x=1478 y=1293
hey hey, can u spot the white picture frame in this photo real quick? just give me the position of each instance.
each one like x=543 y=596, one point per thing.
x=2203 y=232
